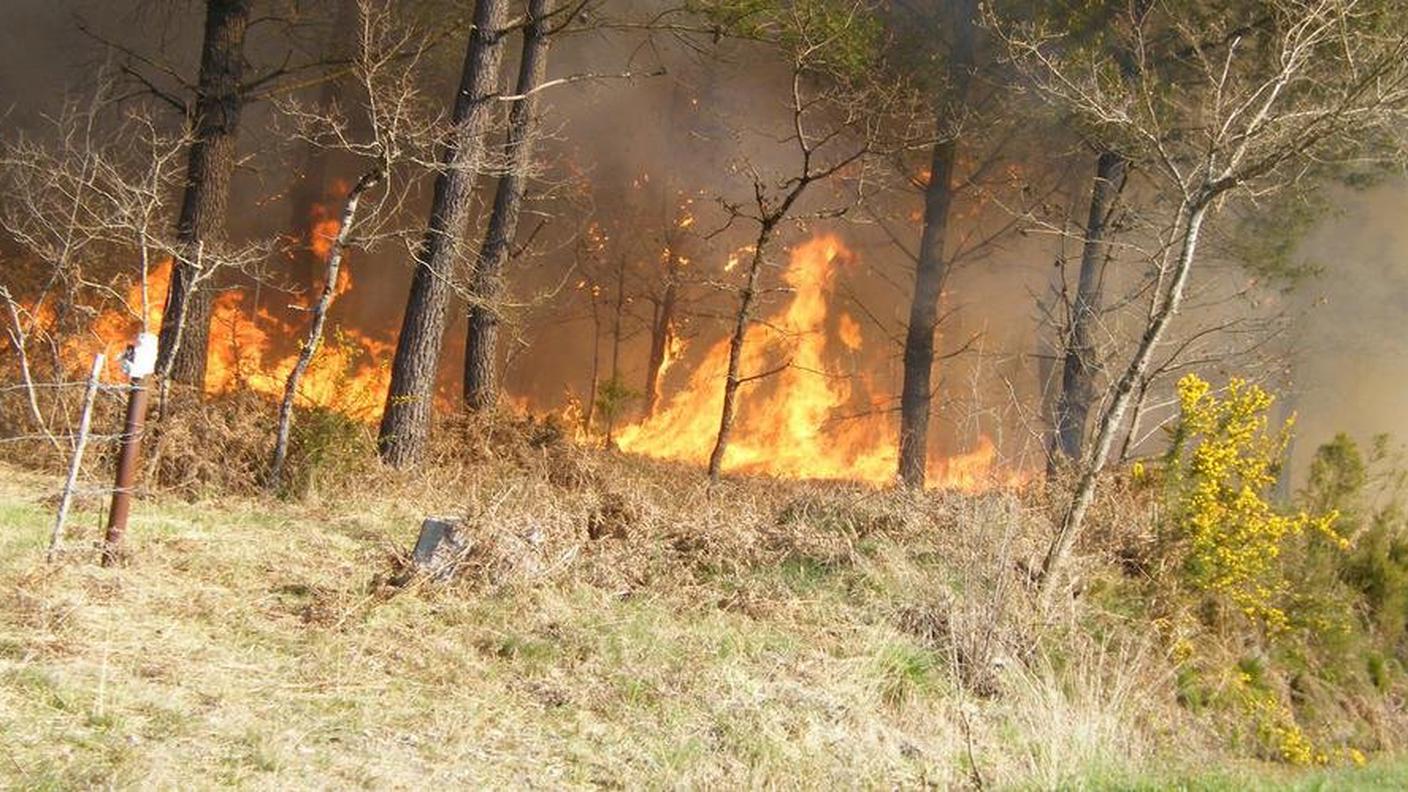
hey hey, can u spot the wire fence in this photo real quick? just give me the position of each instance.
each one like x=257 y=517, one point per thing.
x=77 y=419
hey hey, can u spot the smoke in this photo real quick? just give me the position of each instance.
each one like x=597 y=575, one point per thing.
x=636 y=155
x=1350 y=353
x=633 y=156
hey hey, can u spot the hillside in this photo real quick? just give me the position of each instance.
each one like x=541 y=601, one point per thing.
x=793 y=636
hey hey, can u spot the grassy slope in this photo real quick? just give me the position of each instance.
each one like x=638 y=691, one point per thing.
x=245 y=644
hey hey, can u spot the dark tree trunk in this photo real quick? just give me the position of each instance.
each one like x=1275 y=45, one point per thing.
x=931 y=270
x=662 y=330
x=620 y=312
x=616 y=320
x=929 y=276
x=596 y=367
x=210 y=164
x=405 y=422
x=1166 y=305
x=1080 y=358
x=481 y=377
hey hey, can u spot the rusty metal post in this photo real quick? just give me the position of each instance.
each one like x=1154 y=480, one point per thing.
x=126 y=470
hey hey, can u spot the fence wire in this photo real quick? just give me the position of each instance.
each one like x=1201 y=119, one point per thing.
x=78 y=420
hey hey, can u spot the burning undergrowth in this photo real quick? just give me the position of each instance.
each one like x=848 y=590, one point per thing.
x=810 y=407
x=550 y=513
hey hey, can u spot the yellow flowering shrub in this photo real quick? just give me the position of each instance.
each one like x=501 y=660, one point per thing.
x=1261 y=606
x=1222 y=462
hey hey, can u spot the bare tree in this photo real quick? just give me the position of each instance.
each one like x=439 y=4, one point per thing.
x=96 y=193
x=211 y=108
x=1267 y=93
x=326 y=296
x=385 y=75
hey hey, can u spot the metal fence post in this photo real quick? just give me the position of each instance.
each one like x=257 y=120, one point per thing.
x=139 y=362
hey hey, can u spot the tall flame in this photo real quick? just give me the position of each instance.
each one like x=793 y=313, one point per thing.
x=810 y=419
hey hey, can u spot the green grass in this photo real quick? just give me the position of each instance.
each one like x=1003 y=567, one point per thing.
x=248 y=643
x=1385 y=774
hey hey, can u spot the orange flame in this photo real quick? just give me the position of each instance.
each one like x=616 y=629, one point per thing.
x=323 y=233
x=809 y=420
x=674 y=348
x=250 y=347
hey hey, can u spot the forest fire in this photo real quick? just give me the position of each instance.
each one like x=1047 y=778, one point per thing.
x=250 y=344
x=809 y=417
x=541 y=381
x=814 y=413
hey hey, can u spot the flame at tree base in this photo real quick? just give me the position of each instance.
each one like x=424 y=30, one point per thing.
x=348 y=375
x=809 y=420
x=819 y=416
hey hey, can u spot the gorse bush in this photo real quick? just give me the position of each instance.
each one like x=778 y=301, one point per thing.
x=1224 y=532
x=1271 y=611
x=1286 y=623
x=1366 y=492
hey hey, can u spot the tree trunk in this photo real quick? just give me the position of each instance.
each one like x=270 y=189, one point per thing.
x=209 y=167
x=1095 y=458
x=1080 y=363
x=929 y=276
x=596 y=367
x=931 y=270
x=405 y=423
x=662 y=331
x=1131 y=437
x=735 y=354
x=315 y=328
x=616 y=352
x=481 y=380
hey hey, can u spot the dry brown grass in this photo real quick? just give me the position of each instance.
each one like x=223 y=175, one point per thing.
x=617 y=623
x=614 y=622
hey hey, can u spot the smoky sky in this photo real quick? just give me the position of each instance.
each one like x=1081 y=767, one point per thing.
x=1349 y=367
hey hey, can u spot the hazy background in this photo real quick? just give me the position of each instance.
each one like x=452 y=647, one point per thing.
x=680 y=133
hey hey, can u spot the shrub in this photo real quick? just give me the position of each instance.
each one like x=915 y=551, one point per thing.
x=1366 y=493
x=1224 y=532
x=326 y=448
